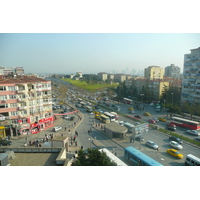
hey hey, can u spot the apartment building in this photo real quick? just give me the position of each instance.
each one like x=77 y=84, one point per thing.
x=119 y=77
x=191 y=77
x=172 y=71
x=153 y=72
x=26 y=104
x=102 y=76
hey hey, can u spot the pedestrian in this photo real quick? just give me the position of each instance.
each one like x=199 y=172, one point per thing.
x=76 y=143
x=81 y=146
x=62 y=135
x=69 y=131
x=65 y=128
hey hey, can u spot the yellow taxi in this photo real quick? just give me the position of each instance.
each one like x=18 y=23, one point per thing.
x=130 y=108
x=147 y=114
x=162 y=119
x=175 y=153
x=97 y=116
x=98 y=98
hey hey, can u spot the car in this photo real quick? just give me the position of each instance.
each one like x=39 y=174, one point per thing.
x=140 y=139
x=130 y=108
x=72 y=118
x=171 y=126
x=176 y=145
x=176 y=139
x=156 y=119
x=138 y=116
x=151 y=144
x=5 y=142
x=162 y=119
x=175 y=153
x=193 y=132
x=151 y=121
x=137 y=123
x=57 y=128
x=65 y=117
x=197 y=139
x=131 y=111
x=147 y=114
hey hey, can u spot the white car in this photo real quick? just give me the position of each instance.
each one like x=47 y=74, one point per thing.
x=151 y=144
x=57 y=128
x=176 y=145
x=156 y=119
x=193 y=132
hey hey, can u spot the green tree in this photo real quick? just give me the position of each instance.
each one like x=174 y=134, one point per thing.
x=93 y=157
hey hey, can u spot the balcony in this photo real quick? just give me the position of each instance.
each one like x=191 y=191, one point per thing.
x=21 y=91
x=22 y=108
x=31 y=106
x=3 y=101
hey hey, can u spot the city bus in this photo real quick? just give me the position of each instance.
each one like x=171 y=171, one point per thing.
x=111 y=116
x=127 y=101
x=89 y=109
x=116 y=115
x=113 y=157
x=104 y=118
x=129 y=126
x=79 y=99
x=185 y=123
x=137 y=158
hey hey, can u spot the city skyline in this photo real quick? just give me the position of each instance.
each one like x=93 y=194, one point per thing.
x=66 y=53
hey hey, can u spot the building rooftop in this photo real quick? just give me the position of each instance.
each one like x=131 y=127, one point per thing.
x=20 y=79
x=34 y=159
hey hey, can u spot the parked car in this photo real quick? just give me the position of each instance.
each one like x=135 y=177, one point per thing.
x=147 y=114
x=65 y=116
x=5 y=142
x=72 y=118
x=131 y=111
x=172 y=138
x=162 y=119
x=175 y=153
x=151 y=144
x=137 y=123
x=176 y=145
x=151 y=121
x=140 y=139
x=171 y=127
x=138 y=116
x=57 y=128
x=193 y=132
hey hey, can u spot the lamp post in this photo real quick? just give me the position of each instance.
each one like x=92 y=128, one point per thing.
x=142 y=97
x=172 y=97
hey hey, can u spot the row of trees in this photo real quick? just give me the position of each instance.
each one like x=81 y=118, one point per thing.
x=93 y=157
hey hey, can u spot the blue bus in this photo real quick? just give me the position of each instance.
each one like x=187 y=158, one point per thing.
x=137 y=158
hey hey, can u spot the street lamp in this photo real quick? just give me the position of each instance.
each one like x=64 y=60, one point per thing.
x=172 y=97
x=142 y=97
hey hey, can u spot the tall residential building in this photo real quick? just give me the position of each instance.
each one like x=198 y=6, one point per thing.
x=6 y=71
x=191 y=77
x=172 y=71
x=154 y=72
x=119 y=77
x=26 y=104
x=102 y=76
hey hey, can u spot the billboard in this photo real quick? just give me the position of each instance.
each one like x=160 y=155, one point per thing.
x=140 y=130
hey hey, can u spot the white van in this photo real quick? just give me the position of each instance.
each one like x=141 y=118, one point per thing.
x=192 y=160
x=56 y=128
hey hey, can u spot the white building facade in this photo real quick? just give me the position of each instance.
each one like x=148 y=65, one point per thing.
x=191 y=77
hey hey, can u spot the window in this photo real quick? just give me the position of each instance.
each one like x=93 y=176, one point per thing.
x=13 y=105
x=14 y=113
x=2 y=88
x=12 y=97
x=3 y=105
x=11 y=88
x=3 y=97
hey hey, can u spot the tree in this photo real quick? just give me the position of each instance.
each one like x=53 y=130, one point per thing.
x=93 y=157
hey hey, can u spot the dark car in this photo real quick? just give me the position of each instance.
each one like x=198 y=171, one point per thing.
x=5 y=142
x=138 y=116
x=175 y=139
x=71 y=118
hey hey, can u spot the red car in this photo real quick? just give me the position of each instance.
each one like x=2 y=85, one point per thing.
x=152 y=121
x=138 y=116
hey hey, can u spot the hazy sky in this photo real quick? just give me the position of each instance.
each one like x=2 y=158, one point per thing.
x=93 y=52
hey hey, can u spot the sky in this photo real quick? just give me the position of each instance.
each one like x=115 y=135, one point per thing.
x=69 y=53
